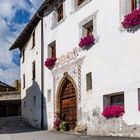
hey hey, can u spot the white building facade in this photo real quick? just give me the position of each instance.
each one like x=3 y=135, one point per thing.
x=107 y=73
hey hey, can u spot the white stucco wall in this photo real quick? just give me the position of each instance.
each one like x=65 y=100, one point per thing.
x=113 y=60
x=32 y=110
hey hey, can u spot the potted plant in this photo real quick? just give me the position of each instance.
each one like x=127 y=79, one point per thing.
x=50 y=62
x=131 y=20
x=57 y=124
x=113 y=111
x=64 y=126
x=86 y=42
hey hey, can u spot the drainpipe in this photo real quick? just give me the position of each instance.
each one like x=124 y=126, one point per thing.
x=42 y=73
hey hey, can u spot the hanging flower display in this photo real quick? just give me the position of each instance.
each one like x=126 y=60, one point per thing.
x=131 y=20
x=50 y=62
x=86 y=42
x=113 y=111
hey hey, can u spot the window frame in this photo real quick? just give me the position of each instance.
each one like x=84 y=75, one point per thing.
x=60 y=12
x=115 y=96
x=139 y=99
x=52 y=50
x=79 y=2
x=33 y=39
x=23 y=81
x=23 y=55
x=89 y=81
x=134 y=4
x=33 y=70
x=91 y=18
x=107 y=98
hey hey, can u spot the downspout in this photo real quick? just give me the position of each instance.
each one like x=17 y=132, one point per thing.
x=42 y=73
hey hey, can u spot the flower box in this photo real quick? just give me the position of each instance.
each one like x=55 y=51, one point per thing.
x=50 y=62
x=86 y=42
x=131 y=20
x=113 y=111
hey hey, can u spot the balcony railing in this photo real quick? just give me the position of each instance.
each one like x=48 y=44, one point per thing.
x=10 y=95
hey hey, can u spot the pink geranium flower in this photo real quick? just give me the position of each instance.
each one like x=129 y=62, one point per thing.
x=131 y=20
x=113 y=111
x=87 y=41
x=50 y=62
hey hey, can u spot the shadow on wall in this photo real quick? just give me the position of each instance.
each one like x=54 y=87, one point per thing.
x=32 y=107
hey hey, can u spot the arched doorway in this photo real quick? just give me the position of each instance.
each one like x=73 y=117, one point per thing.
x=67 y=99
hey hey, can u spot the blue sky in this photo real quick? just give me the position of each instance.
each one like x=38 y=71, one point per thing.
x=14 y=15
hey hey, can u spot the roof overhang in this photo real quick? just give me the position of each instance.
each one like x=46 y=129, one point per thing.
x=26 y=33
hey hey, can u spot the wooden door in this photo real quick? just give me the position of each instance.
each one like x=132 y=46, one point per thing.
x=68 y=104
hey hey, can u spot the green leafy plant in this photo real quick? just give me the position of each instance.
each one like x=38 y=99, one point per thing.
x=64 y=126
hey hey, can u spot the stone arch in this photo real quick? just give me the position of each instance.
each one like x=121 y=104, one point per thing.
x=60 y=88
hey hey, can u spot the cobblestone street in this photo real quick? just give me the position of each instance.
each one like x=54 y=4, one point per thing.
x=14 y=129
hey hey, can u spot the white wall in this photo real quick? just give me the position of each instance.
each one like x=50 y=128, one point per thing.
x=32 y=110
x=113 y=60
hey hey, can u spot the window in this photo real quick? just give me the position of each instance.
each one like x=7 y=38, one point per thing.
x=117 y=99
x=52 y=50
x=59 y=11
x=33 y=41
x=49 y=96
x=139 y=99
x=23 y=55
x=33 y=71
x=79 y=2
x=23 y=81
x=135 y=4
x=114 y=99
x=126 y=6
x=88 y=81
x=88 y=28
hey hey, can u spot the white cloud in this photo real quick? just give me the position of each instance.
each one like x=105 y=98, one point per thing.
x=7 y=37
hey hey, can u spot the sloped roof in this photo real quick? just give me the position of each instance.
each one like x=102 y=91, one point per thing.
x=26 y=33
x=5 y=85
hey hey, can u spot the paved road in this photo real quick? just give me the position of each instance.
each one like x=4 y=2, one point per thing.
x=14 y=129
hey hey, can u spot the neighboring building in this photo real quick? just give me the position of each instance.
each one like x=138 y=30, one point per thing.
x=4 y=87
x=107 y=73
x=10 y=100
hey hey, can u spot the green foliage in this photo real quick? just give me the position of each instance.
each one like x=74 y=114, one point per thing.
x=64 y=126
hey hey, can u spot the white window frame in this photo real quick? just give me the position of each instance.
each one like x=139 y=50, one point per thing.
x=107 y=98
x=93 y=18
x=75 y=6
x=125 y=9
x=56 y=23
